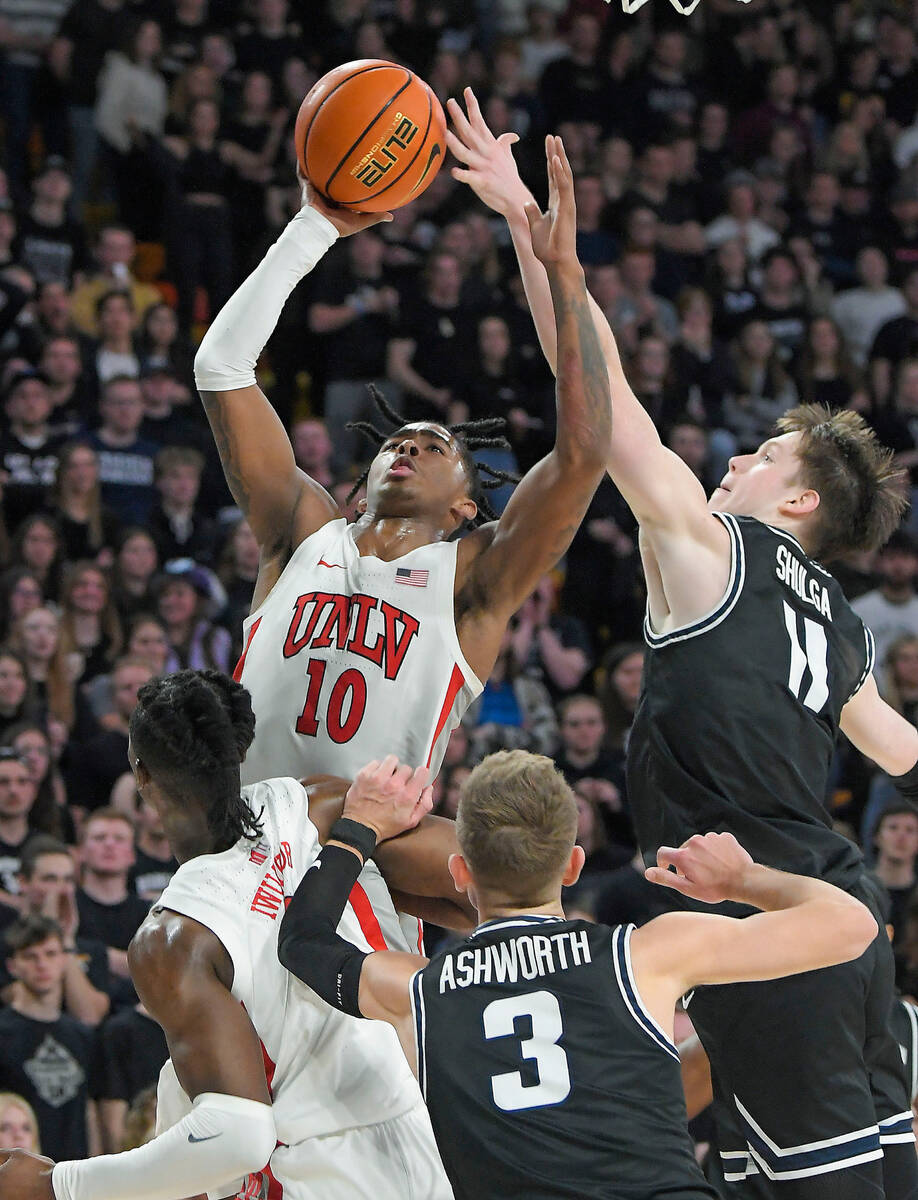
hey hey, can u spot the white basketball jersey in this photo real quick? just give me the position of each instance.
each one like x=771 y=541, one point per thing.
x=351 y=658
x=326 y=1072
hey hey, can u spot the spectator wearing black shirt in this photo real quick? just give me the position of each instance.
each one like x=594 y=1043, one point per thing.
x=664 y=97
x=29 y=449
x=72 y=399
x=820 y=223
x=108 y=910
x=50 y=244
x=434 y=341
x=98 y=763
x=896 y=842
x=88 y=529
x=179 y=527
x=185 y=25
x=753 y=129
x=897 y=78
x=896 y=340
x=125 y=458
x=132 y=1051
x=18 y=792
x=594 y=772
x=313 y=450
x=550 y=645
x=272 y=40
x=154 y=864
x=45 y=1055
x=574 y=87
x=826 y=372
x=595 y=245
x=781 y=304
x=89 y=31
x=136 y=563
x=47 y=887
x=115 y=353
x=353 y=313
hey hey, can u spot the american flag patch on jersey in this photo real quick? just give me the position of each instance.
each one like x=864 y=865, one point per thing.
x=412 y=578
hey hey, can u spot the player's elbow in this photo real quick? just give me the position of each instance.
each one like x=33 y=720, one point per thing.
x=854 y=928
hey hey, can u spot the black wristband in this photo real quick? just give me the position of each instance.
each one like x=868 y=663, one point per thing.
x=907 y=784
x=359 y=837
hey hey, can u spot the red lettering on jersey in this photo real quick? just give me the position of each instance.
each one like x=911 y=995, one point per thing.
x=270 y=894
x=336 y=624
x=293 y=644
x=349 y=681
x=397 y=643
x=358 y=643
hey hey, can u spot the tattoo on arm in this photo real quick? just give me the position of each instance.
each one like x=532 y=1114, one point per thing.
x=582 y=391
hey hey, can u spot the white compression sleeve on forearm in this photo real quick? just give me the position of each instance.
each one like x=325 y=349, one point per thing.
x=223 y=1138
x=227 y=356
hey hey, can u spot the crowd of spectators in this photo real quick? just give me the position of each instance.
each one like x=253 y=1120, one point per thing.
x=747 y=195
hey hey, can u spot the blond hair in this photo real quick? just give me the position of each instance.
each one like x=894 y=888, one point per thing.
x=861 y=494
x=516 y=824
x=14 y=1100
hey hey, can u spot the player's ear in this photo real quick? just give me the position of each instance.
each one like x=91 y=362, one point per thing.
x=801 y=504
x=464 y=510
x=459 y=869
x=574 y=866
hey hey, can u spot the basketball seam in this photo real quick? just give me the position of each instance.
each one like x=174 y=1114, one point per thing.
x=392 y=99
x=362 y=71
x=408 y=166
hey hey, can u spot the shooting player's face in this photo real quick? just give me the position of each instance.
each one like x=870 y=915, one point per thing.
x=418 y=471
x=757 y=484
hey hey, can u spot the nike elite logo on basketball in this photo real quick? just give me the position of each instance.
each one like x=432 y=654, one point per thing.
x=385 y=154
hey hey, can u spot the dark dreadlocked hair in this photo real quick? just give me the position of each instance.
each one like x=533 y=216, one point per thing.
x=485 y=434
x=191 y=730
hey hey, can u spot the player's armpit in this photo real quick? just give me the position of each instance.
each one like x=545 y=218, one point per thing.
x=385 y=980
x=281 y=503
x=878 y=731
x=183 y=975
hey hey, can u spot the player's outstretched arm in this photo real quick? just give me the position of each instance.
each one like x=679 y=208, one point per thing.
x=656 y=483
x=501 y=564
x=183 y=975
x=804 y=923
x=282 y=504
x=882 y=734
x=384 y=800
x=415 y=864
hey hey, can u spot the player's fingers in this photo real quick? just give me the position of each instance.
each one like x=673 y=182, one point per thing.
x=419 y=778
x=668 y=879
x=388 y=766
x=564 y=181
x=562 y=154
x=426 y=801
x=462 y=151
x=461 y=176
x=475 y=118
x=531 y=209
x=460 y=120
x=508 y=139
x=666 y=856
x=5 y=1156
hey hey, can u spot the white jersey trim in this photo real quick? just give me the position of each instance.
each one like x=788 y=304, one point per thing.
x=419 y=1025
x=624 y=974
x=724 y=606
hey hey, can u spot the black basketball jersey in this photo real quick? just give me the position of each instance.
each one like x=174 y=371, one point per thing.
x=739 y=712
x=544 y=1075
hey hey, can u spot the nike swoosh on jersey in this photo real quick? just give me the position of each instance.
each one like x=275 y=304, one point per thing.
x=323 y=563
x=210 y=1137
x=687 y=998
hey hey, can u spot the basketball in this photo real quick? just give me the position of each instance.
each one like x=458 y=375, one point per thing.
x=370 y=135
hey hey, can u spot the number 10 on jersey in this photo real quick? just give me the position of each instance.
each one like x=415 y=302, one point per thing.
x=347 y=702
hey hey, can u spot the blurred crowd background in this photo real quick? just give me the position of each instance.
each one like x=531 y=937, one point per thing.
x=747 y=199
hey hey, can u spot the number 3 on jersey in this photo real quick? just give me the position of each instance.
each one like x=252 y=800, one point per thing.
x=554 y=1079
x=347 y=702
x=814 y=657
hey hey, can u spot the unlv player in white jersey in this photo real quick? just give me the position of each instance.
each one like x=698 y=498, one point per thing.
x=372 y=639
x=269 y=1092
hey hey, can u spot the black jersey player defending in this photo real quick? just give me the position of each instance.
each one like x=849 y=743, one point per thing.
x=754 y=663
x=545 y=1047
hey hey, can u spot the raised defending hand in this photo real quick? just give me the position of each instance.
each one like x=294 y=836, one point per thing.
x=554 y=233
x=489 y=169
x=345 y=220
x=25 y=1176
x=389 y=797
x=710 y=868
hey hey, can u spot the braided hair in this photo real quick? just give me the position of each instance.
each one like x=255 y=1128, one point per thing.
x=485 y=434
x=192 y=730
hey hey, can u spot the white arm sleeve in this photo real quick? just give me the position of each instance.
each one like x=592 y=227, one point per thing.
x=223 y=1138
x=226 y=358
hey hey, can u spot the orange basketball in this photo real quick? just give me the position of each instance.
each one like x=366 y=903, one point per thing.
x=370 y=135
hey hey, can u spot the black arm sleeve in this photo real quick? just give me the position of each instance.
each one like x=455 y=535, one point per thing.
x=308 y=944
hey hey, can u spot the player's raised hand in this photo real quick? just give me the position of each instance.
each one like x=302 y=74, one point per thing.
x=488 y=165
x=345 y=220
x=554 y=233
x=25 y=1176
x=389 y=797
x=710 y=868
